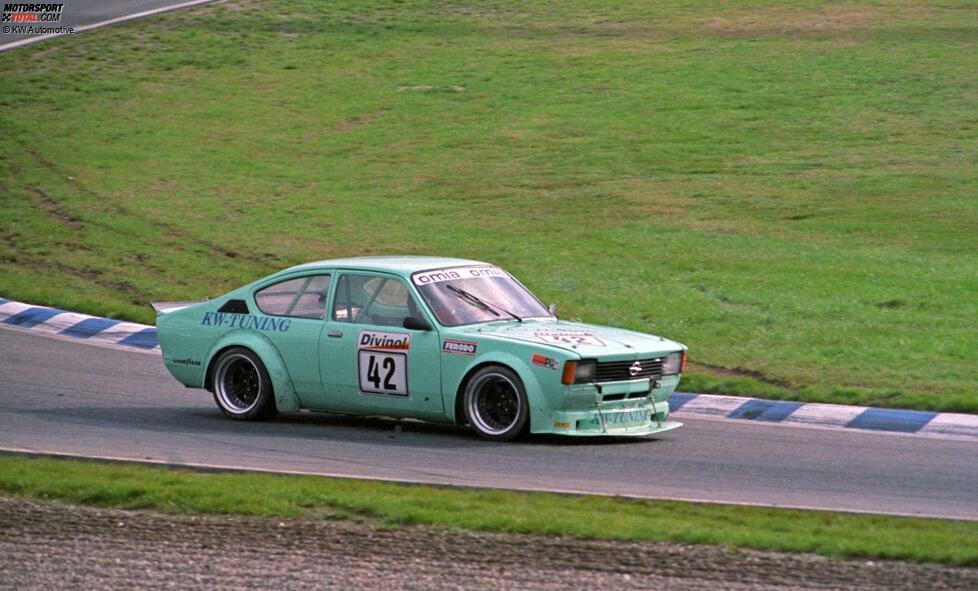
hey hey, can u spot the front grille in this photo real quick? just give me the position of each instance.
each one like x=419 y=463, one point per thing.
x=616 y=371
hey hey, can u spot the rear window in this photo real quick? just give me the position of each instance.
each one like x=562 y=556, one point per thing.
x=303 y=297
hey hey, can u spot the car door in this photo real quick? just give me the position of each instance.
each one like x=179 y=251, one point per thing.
x=296 y=309
x=369 y=362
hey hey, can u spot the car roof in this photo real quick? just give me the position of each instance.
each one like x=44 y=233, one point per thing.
x=401 y=265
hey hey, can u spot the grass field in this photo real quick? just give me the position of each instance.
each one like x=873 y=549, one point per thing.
x=790 y=191
x=820 y=532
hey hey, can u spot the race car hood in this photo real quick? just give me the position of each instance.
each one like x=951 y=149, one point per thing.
x=587 y=340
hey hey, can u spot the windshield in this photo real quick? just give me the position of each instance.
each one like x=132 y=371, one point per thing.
x=468 y=295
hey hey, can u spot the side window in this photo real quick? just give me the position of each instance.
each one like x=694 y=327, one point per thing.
x=390 y=292
x=371 y=299
x=304 y=297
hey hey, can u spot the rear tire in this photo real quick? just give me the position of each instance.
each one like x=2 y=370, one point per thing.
x=495 y=404
x=242 y=388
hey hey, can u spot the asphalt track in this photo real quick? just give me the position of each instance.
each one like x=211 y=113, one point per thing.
x=89 y=14
x=70 y=398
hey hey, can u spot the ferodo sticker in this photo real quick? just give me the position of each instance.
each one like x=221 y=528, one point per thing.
x=382 y=362
x=567 y=337
x=544 y=361
x=439 y=275
x=458 y=347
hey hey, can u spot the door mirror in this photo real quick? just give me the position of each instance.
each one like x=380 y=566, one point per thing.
x=553 y=309
x=416 y=323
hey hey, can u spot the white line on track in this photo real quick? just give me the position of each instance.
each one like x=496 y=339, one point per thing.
x=105 y=23
x=828 y=415
x=950 y=426
x=91 y=341
x=13 y=308
x=959 y=428
x=713 y=405
x=59 y=322
x=117 y=332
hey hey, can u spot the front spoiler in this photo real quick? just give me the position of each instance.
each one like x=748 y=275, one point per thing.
x=618 y=417
x=651 y=429
x=615 y=419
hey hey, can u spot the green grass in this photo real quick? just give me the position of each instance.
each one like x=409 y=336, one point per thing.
x=791 y=191
x=830 y=534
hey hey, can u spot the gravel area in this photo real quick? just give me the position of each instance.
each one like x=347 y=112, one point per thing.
x=52 y=546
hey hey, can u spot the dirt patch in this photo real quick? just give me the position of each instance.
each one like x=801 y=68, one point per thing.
x=53 y=209
x=21 y=257
x=173 y=236
x=356 y=121
x=766 y=23
x=226 y=6
x=740 y=372
x=426 y=88
x=91 y=275
x=46 y=545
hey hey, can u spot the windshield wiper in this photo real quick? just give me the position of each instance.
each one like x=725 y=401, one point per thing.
x=477 y=301
x=472 y=299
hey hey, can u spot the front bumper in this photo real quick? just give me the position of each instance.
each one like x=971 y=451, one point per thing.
x=613 y=409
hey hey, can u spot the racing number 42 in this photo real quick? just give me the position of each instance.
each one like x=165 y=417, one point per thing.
x=383 y=372
x=373 y=372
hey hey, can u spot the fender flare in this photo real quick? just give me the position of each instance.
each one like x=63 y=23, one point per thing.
x=539 y=407
x=285 y=397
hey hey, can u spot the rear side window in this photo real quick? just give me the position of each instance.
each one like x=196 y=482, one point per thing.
x=304 y=297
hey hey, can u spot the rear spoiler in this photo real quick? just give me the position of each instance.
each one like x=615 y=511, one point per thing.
x=164 y=307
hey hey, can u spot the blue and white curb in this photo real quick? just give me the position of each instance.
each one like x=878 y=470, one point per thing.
x=104 y=331
x=838 y=416
x=78 y=326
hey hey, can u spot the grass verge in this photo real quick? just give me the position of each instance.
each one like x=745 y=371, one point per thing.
x=831 y=534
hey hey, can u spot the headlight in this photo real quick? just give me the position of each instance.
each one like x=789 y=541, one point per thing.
x=674 y=363
x=578 y=372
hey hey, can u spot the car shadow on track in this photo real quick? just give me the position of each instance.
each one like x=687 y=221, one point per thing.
x=313 y=427
x=409 y=426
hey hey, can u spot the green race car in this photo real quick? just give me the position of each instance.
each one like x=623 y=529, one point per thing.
x=439 y=339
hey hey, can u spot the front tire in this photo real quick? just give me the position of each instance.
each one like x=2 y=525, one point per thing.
x=242 y=389
x=495 y=404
